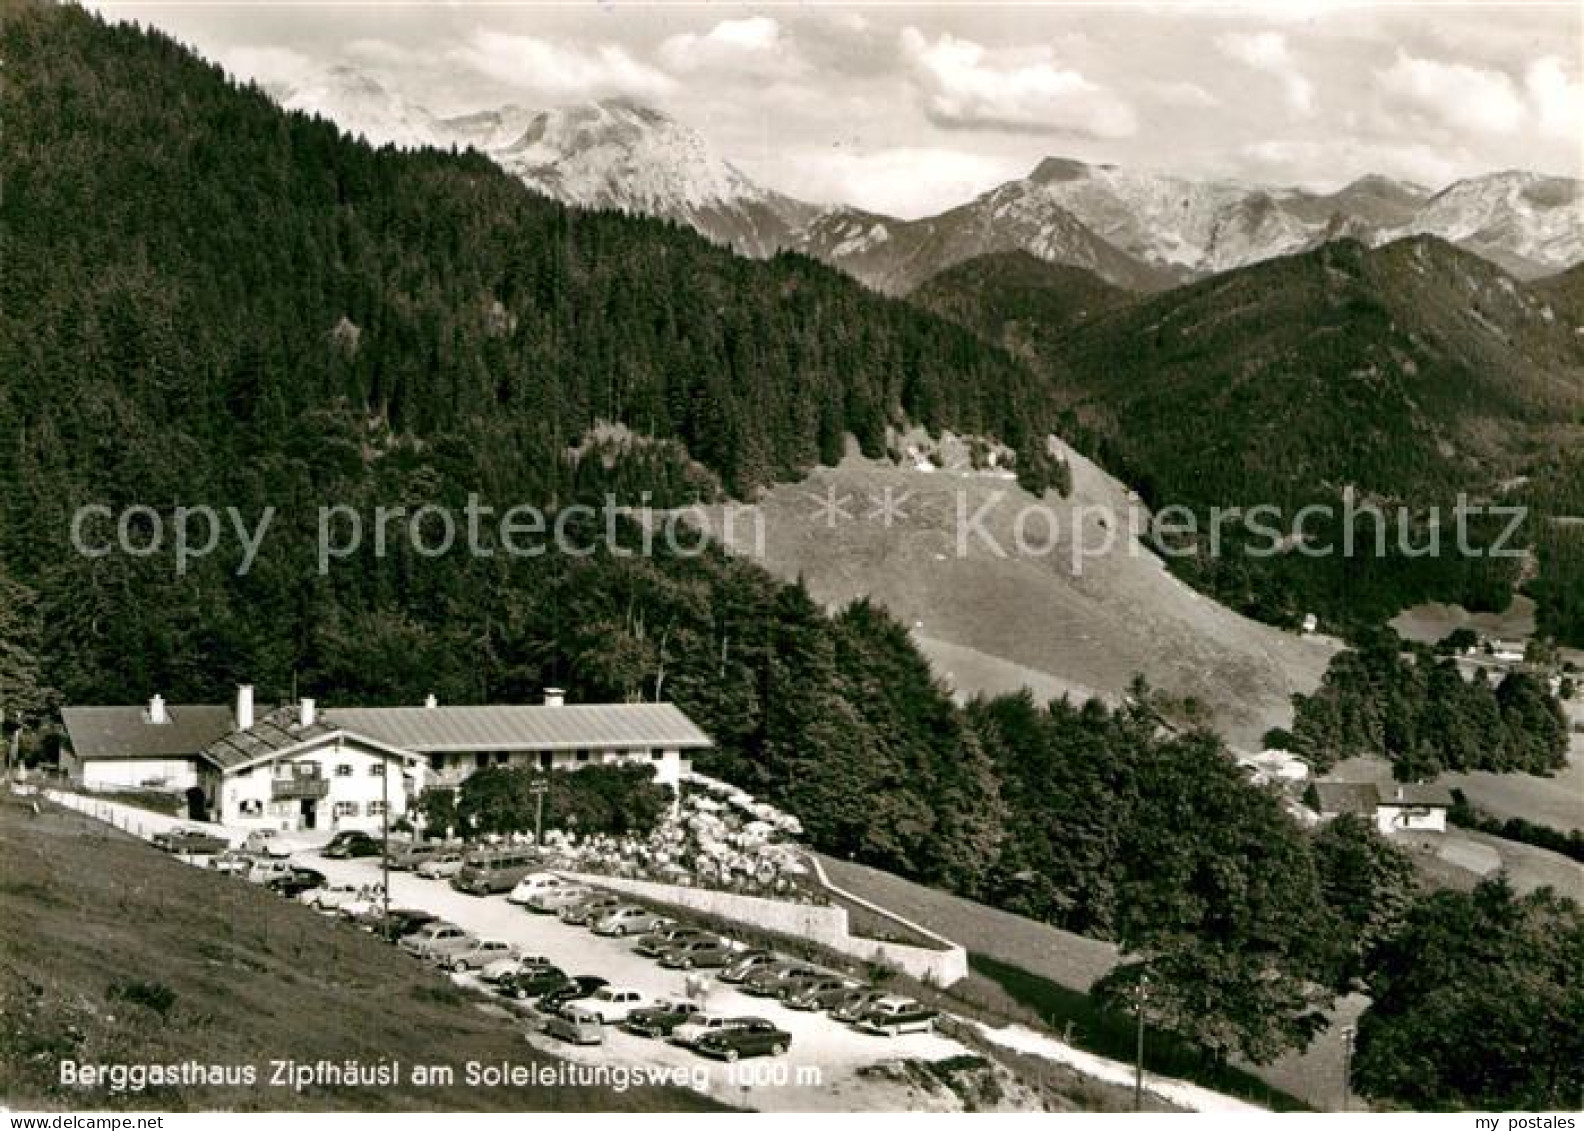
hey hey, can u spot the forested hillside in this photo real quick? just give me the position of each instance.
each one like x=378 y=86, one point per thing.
x=1407 y=373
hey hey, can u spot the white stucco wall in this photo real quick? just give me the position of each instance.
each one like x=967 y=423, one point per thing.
x=347 y=804
x=139 y=773
x=668 y=768
x=1409 y=818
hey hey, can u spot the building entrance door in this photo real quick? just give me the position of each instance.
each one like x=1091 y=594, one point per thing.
x=310 y=812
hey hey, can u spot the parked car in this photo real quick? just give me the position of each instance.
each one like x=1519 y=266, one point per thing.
x=265 y=869
x=479 y=955
x=534 y=981
x=534 y=883
x=662 y=938
x=612 y=1004
x=266 y=842
x=769 y=981
x=754 y=1037
x=575 y=1027
x=493 y=972
x=695 y=1028
x=816 y=993
x=628 y=919
x=190 y=841
x=443 y=866
x=349 y=843
x=434 y=940
x=855 y=1003
x=331 y=896
x=367 y=905
x=296 y=881
x=746 y=963
x=705 y=953
x=401 y=922
x=233 y=862
x=662 y=1019
x=409 y=858
x=575 y=989
x=494 y=870
x=585 y=911
x=552 y=900
x=892 y=1016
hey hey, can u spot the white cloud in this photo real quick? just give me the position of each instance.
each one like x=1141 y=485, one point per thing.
x=1558 y=100
x=563 y=70
x=1455 y=95
x=907 y=181
x=757 y=47
x=964 y=84
x=269 y=66
x=1327 y=165
x=1267 y=51
x=1186 y=94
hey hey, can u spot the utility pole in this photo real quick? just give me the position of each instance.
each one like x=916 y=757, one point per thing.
x=1141 y=995
x=539 y=788
x=1349 y=1032
x=385 y=838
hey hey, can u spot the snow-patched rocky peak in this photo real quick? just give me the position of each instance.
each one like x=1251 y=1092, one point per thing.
x=621 y=155
x=1529 y=223
x=364 y=107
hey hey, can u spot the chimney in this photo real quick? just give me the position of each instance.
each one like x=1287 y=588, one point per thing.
x=431 y=702
x=244 y=706
x=554 y=697
x=307 y=713
x=1399 y=793
x=156 y=710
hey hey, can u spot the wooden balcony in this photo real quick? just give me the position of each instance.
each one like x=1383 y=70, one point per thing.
x=283 y=789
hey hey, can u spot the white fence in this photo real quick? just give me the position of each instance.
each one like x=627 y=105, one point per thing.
x=821 y=924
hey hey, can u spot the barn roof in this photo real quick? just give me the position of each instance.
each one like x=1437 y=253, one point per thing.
x=1417 y=795
x=609 y=726
x=1336 y=797
x=126 y=733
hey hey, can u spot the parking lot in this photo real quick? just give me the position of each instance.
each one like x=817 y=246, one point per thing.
x=824 y=1057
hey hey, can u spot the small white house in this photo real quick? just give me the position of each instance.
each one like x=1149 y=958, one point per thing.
x=1412 y=808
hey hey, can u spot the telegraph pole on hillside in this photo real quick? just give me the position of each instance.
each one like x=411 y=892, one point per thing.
x=385 y=837
x=539 y=788
x=1141 y=995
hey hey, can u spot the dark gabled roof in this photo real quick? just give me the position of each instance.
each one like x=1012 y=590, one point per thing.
x=278 y=730
x=605 y=726
x=125 y=732
x=210 y=732
x=1336 y=797
x=1417 y=795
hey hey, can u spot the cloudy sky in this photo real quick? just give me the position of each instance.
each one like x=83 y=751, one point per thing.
x=909 y=109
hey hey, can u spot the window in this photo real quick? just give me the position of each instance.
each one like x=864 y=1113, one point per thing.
x=346 y=808
x=656 y=755
x=376 y=808
x=481 y=759
x=250 y=807
x=282 y=770
x=545 y=760
x=502 y=758
x=343 y=769
x=437 y=762
x=307 y=769
x=377 y=770
x=582 y=755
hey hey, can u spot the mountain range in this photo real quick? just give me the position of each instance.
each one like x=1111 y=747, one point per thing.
x=1139 y=230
